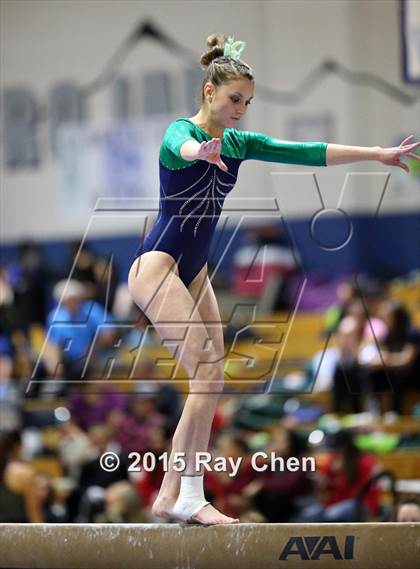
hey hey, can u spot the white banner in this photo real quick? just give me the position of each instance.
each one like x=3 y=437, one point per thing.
x=117 y=161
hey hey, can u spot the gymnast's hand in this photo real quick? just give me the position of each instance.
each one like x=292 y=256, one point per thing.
x=210 y=151
x=392 y=156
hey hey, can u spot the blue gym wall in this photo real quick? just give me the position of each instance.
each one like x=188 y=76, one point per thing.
x=384 y=247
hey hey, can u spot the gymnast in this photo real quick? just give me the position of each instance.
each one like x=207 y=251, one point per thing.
x=199 y=160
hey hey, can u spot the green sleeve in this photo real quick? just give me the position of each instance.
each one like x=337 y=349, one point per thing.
x=176 y=134
x=262 y=147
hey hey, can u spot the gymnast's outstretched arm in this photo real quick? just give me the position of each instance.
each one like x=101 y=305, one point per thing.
x=339 y=154
x=261 y=147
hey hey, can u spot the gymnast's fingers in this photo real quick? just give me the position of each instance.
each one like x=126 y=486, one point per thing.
x=406 y=139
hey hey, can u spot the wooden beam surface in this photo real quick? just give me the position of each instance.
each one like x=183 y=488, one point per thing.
x=242 y=546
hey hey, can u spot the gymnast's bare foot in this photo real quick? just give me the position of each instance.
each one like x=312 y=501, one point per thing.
x=162 y=507
x=208 y=515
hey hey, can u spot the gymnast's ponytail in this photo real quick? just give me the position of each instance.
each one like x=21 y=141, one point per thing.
x=216 y=47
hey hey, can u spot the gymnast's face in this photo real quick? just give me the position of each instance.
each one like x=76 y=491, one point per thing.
x=229 y=102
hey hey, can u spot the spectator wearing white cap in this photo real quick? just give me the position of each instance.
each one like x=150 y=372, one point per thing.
x=76 y=332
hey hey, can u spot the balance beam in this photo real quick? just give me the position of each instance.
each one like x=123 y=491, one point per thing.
x=244 y=546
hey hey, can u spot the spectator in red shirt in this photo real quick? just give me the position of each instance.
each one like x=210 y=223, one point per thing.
x=340 y=479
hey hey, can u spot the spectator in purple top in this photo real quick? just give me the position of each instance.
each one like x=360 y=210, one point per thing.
x=133 y=430
x=94 y=403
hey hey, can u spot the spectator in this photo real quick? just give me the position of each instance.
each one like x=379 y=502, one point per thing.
x=99 y=276
x=408 y=510
x=20 y=488
x=9 y=316
x=30 y=278
x=357 y=334
x=81 y=267
x=93 y=478
x=106 y=279
x=166 y=396
x=346 y=293
x=122 y=505
x=73 y=332
x=13 y=340
x=149 y=481
x=169 y=404
x=226 y=492
x=74 y=448
x=10 y=394
x=94 y=403
x=348 y=377
x=92 y=473
x=54 y=494
x=276 y=494
x=344 y=473
x=399 y=359
x=132 y=428
x=262 y=264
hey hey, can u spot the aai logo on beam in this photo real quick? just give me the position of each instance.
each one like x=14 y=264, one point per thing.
x=313 y=547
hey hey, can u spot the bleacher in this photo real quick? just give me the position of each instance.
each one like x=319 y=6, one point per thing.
x=283 y=342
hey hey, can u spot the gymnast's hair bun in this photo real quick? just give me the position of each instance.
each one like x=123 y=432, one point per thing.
x=216 y=47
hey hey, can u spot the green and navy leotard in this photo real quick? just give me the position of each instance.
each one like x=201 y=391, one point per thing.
x=192 y=192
